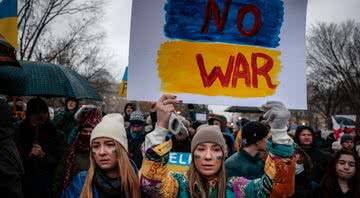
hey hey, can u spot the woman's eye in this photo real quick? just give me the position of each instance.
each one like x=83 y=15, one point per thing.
x=200 y=149
x=110 y=145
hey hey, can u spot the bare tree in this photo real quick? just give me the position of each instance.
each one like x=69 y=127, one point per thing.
x=333 y=56
x=78 y=46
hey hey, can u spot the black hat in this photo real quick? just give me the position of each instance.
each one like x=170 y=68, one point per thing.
x=253 y=132
x=346 y=137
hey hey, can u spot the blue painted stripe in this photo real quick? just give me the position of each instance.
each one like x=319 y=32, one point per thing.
x=184 y=20
x=8 y=8
x=125 y=76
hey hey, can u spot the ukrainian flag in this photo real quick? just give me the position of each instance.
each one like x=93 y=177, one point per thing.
x=8 y=21
x=123 y=84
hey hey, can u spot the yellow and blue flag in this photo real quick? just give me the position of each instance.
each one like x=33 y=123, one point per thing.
x=123 y=84
x=8 y=21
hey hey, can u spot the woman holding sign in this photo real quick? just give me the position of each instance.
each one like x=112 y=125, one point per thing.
x=206 y=175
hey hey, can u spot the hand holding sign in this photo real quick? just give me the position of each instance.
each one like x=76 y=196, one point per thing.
x=164 y=107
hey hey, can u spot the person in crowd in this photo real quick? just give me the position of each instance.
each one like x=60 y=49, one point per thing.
x=247 y=162
x=330 y=139
x=11 y=168
x=221 y=121
x=40 y=148
x=304 y=137
x=303 y=183
x=238 y=140
x=77 y=158
x=206 y=176
x=128 y=109
x=111 y=172
x=182 y=142
x=228 y=144
x=136 y=137
x=193 y=128
x=342 y=178
x=64 y=120
x=347 y=142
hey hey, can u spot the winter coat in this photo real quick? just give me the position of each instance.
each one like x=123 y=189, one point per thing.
x=65 y=122
x=337 y=193
x=320 y=162
x=242 y=164
x=134 y=147
x=81 y=163
x=39 y=171
x=74 y=189
x=157 y=181
x=11 y=168
x=303 y=188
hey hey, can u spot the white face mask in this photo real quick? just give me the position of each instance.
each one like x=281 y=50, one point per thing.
x=299 y=168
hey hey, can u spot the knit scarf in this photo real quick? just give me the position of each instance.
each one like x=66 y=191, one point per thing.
x=108 y=187
x=80 y=144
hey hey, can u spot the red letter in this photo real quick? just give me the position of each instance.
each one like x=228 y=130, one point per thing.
x=245 y=73
x=213 y=8
x=263 y=71
x=216 y=72
x=257 y=24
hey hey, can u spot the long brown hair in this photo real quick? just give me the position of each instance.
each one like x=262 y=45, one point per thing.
x=129 y=180
x=197 y=181
x=329 y=180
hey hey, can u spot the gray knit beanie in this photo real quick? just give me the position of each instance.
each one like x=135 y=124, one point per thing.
x=208 y=134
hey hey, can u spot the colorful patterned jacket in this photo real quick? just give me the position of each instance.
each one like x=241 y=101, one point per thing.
x=157 y=181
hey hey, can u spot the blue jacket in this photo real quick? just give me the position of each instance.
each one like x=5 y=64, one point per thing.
x=73 y=190
x=75 y=187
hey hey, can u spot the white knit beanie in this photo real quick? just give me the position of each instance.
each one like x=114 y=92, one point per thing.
x=111 y=126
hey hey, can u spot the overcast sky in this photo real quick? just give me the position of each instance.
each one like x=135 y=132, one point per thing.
x=118 y=16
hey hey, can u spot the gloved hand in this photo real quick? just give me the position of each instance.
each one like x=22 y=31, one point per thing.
x=166 y=121
x=277 y=116
x=176 y=126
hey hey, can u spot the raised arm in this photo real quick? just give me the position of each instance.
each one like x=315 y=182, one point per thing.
x=155 y=179
x=279 y=177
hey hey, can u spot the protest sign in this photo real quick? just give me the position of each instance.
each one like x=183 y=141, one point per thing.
x=228 y=52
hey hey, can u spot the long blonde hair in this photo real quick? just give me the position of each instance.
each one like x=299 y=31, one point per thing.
x=129 y=180
x=197 y=181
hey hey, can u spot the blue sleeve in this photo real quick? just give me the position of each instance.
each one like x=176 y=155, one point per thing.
x=73 y=190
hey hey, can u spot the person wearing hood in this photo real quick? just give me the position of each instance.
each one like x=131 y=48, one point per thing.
x=136 y=137
x=304 y=137
x=206 y=176
x=77 y=158
x=64 y=120
x=11 y=168
x=111 y=172
x=128 y=109
x=40 y=147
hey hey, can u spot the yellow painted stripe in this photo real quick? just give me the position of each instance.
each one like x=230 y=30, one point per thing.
x=8 y=29
x=179 y=71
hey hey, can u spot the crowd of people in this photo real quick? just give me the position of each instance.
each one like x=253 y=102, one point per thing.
x=83 y=152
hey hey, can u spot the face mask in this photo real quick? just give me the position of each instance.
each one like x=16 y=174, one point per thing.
x=299 y=169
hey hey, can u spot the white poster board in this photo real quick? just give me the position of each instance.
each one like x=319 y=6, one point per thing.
x=250 y=53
